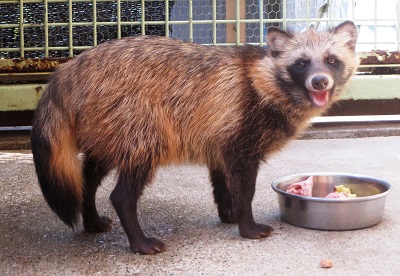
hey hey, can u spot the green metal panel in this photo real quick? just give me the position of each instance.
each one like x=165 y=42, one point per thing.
x=373 y=87
x=20 y=97
x=25 y=96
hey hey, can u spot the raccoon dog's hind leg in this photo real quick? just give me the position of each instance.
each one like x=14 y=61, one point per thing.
x=124 y=198
x=93 y=173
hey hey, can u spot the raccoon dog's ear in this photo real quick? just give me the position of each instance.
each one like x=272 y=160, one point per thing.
x=348 y=33
x=277 y=38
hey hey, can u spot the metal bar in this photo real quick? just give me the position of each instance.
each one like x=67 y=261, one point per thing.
x=25 y=77
x=284 y=12
x=124 y=23
x=397 y=24
x=375 y=23
x=118 y=18
x=53 y=1
x=143 y=17
x=191 y=20
x=307 y=14
x=57 y=48
x=183 y=22
x=21 y=27
x=356 y=118
x=330 y=13
x=89 y=47
x=46 y=29
x=40 y=1
x=237 y=17
x=70 y=34
x=379 y=65
x=214 y=19
x=30 y=65
x=27 y=49
x=261 y=26
x=94 y=22
x=166 y=18
x=371 y=42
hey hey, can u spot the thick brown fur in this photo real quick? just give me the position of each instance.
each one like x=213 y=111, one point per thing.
x=137 y=103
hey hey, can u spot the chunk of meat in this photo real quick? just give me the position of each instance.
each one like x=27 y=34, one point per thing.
x=325 y=263
x=303 y=188
x=336 y=195
x=341 y=192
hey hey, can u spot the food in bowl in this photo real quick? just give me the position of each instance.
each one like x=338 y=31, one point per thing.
x=302 y=188
x=336 y=195
x=341 y=192
x=318 y=212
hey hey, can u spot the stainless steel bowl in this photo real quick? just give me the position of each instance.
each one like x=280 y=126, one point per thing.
x=317 y=212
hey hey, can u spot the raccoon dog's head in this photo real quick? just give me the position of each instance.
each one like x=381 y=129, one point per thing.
x=313 y=66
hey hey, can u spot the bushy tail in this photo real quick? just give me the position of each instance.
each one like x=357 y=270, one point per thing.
x=58 y=167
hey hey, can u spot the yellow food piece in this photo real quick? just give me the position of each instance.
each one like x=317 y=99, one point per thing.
x=345 y=190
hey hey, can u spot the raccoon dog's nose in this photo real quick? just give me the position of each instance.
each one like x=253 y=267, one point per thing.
x=320 y=82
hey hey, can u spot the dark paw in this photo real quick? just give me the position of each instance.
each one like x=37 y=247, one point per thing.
x=255 y=231
x=227 y=216
x=102 y=224
x=148 y=246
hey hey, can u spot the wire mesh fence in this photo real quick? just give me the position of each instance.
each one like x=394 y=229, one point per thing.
x=69 y=27
x=65 y=28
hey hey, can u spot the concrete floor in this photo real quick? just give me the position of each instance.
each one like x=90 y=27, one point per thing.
x=178 y=208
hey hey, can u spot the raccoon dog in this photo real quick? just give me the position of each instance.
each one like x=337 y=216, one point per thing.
x=138 y=103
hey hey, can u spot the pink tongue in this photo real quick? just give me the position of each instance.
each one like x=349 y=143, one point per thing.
x=320 y=98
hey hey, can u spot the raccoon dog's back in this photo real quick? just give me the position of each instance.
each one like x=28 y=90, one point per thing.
x=155 y=96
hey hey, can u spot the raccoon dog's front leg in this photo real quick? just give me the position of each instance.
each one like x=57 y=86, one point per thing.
x=125 y=198
x=241 y=179
x=223 y=197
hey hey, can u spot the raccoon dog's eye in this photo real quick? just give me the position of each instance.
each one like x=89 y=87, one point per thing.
x=301 y=64
x=331 y=60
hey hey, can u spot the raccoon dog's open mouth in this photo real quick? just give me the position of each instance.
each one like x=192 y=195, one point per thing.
x=320 y=98
x=319 y=88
